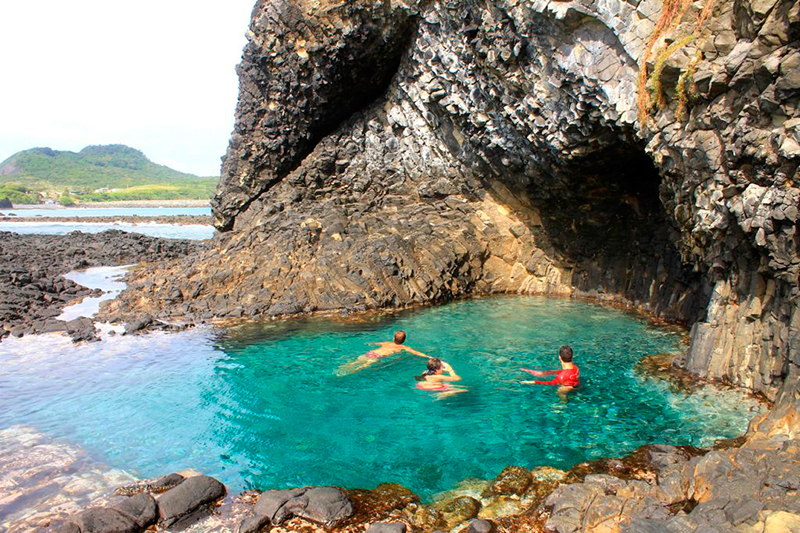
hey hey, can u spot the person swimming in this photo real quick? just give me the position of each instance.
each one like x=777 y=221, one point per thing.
x=568 y=378
x=384 y=349
x=434 y=380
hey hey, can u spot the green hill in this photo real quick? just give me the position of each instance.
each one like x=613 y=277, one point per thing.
x=97 y=173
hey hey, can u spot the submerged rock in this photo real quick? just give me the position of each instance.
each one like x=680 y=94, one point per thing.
x=500 y=506
x=105 y=520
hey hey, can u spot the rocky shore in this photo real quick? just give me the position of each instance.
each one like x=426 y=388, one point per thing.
x=32 y=290
x=747 y=485
x=388 y=154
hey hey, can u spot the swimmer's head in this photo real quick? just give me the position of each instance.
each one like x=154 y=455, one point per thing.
x=399 y=337
x=434 y=365
x=565 y=354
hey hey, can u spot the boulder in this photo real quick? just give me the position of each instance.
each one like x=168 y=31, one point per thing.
x=5 y=203
x=193 y=494
x=82 y=329
x=104 y=520
x=140 y=508
x=458 y=510
x=512 y=480
x=323 y=505
x=480 y=526
x=253 y=524
x=384 y=527
x=138 y=323
x=165 y=483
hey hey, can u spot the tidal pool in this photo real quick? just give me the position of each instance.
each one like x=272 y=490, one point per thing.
x=262 y=406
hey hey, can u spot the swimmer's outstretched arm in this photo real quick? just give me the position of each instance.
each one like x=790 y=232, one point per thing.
x=449 y=369
x=556 y=381
x=415 y=352
x=539 y=372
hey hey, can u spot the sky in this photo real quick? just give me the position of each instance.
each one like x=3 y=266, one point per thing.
x=156 y=75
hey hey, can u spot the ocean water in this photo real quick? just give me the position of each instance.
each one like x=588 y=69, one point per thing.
x=108 y=211
x=264 y=406
x=164 y=231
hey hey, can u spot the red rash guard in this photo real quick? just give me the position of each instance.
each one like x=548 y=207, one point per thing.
x=567 y=378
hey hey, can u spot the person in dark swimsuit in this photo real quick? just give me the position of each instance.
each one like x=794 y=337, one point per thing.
x=434 y=380
x=384 y=349
x=567 y=379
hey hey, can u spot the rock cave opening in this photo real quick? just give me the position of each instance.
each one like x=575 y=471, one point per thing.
x=602 y=216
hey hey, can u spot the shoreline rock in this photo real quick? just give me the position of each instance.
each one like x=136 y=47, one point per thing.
x=33 y=291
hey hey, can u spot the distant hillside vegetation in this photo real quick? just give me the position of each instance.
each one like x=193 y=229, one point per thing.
x=97 y=173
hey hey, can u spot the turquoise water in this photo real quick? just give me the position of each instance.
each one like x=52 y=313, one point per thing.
x=262 y=406
x=108 y=211
x=164 y=231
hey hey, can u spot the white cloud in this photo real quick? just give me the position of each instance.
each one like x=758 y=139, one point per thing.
x=157 y=75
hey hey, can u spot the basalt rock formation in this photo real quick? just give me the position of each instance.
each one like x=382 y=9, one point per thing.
x=396 y=153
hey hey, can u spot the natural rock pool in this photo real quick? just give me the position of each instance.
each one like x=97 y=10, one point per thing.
x=262 y=405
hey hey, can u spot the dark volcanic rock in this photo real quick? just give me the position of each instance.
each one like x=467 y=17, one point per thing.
x=323 y=505
x=193 y=494
x=253 y=524
x=167 y=482
x=32 y=289
x=104 y=520
x=138 y=323
x=140 y=508
x=82 y=329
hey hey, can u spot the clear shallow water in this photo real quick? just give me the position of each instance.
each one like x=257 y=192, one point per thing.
x=108 y=211
x=262 y=406
x=165 y=231
x=107 y=279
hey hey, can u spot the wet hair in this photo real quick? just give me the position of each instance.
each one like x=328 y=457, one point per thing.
x=565 y=353
x=434 y=364
x=399 y=337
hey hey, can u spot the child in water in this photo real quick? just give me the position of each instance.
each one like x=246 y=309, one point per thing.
x=568 y=378
x=434 y=380
x=385 y=349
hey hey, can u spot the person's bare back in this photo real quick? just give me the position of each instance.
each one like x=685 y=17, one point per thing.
x=384 y=349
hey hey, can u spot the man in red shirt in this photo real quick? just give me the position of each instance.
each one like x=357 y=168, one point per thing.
x=568 y=378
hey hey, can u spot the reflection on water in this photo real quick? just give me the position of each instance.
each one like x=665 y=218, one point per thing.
x=262 y=406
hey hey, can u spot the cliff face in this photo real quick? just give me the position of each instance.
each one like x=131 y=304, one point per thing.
x=392 y=153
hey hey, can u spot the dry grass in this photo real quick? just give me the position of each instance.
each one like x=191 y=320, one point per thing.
x=673 y=14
